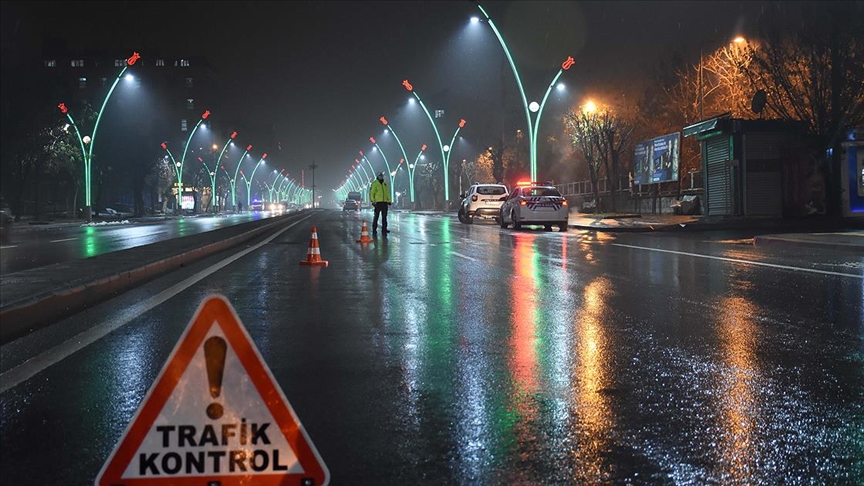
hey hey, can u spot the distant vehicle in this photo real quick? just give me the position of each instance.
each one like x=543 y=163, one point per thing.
x=256 y=205
x=535 y=203
x=482 y=201
x=6 y=222
x=354 y=202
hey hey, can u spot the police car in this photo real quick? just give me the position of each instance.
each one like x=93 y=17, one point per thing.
x=534 y=203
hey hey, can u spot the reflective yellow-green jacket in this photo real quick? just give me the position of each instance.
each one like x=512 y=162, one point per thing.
x=379 y=192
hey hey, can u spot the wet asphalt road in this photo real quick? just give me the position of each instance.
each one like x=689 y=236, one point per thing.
x=36 y=246
x=453 y=354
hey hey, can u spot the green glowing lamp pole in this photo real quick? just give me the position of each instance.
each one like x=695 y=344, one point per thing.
x=366 y=174
x=404 y=155
x=280 y=191
x=533 y=128
x=272 y=188
x=445 y=149
x=234 y=179
x=249 y=181
x=389 y=175
x=288 y=190
x=178 y=167
x=412 y=169
x=87 y=153
x=212 y=174
x=219 y=161
x=371 y=169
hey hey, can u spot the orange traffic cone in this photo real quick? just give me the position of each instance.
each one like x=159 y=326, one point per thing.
x=313 y=255
x=364 y=234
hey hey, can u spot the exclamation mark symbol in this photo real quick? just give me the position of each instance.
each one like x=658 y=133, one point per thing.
x=214 y=355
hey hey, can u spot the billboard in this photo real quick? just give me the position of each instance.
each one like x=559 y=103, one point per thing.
x=656 y=160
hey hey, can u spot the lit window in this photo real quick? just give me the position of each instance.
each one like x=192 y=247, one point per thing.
x=439 y=113
x=184 y=63
x=77 y=62
x=183 y=125
x=119 y=62
x=190 y=104
x=51 y=63
x=160 y=62
x=82 y=83
x=189 y=82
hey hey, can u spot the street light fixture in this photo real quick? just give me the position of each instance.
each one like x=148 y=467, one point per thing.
x=178 y=167
x=251 y=178
x=532 y=128
x=445 y=156
x=87 y=153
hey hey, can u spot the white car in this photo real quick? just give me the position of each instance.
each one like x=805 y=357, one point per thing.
x=482 y=201
x=535 y=203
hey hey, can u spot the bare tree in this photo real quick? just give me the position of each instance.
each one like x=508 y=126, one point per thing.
x=815 y=77
x=585 y=134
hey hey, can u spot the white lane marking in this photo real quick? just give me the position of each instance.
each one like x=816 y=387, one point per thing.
x=8 y=246
x=58 y=241
x=32 y=367
x=745 y=262
x=463 y=256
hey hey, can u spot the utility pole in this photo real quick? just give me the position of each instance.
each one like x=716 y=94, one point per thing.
x=313 y=166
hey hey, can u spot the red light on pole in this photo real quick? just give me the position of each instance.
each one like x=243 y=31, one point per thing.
x=462 y=123
x=383 y=120
x=205 y=114
x=372 y=139
x=423 y=148
x=264 y=156
x=164 y=145
x=401 y=160
x=361 y=153
x=568 y=63
x=200 y=159
x=63 y=109
x=133 y=59
x=357 y=161
x=233 y=135
x=249 y=147
x=407 y=85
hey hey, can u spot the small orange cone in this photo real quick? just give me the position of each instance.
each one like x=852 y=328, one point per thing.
x=364 y=234
x=313 y=255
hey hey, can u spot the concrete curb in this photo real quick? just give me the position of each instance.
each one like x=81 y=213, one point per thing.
x=25 y=316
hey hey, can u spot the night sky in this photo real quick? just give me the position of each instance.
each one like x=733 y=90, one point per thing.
x=317 y=75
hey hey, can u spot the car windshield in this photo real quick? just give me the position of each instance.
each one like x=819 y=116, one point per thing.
x=491 y=190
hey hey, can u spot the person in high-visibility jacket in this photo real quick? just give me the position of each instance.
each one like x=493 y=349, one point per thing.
x=379 y=195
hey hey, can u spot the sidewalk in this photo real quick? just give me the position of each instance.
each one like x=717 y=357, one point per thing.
x=852 y=241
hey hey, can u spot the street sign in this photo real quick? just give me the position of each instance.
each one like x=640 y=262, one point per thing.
x=215 y=416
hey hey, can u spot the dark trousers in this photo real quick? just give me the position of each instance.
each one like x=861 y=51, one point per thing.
x=380 y=208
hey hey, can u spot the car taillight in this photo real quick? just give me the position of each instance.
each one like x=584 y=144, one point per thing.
x=522 y=202
x=564 y=202
x=474 y=198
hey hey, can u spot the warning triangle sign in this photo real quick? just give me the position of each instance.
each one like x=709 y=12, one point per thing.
x=215 y=417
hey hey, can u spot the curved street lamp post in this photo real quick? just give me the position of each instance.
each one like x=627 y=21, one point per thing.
x=533 y=106
x=87 y=153
x=445 y=149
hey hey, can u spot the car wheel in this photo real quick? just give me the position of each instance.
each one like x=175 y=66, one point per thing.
x=501 y=220
x=461 y=216
x=516 y=224
x=468 y=219
x=547 y=227
x=563 y=225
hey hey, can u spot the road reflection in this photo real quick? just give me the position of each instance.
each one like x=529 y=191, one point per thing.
x=739 y=407
x=592 y=385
